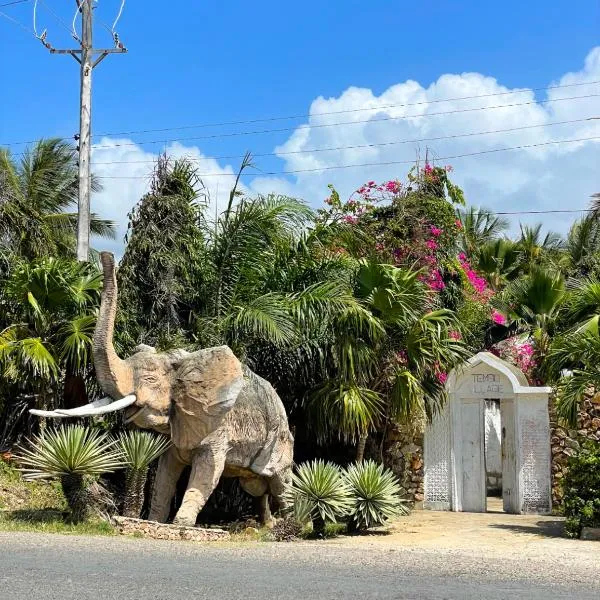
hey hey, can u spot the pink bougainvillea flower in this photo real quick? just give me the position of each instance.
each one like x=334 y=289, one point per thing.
x=458 y=224
x=350 y=219
x=428 y=168
x=462 y=257
x=454 y=335
x=436 y=231
x=498 y=318
x=431 y=244
x=442 y=377
x=449 y=168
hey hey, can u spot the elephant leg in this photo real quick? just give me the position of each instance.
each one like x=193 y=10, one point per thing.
x=265 y=511
x=207 y=466
x=277 y=486
x=168 y=473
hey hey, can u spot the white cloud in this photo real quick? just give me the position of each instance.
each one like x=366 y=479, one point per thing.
x=538 y=178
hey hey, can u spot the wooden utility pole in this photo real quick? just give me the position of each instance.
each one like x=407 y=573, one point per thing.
x=88 y=58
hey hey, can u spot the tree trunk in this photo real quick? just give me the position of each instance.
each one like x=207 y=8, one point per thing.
x=319 y=526
x=360 y=448
x=134 y=492
x=73 y=487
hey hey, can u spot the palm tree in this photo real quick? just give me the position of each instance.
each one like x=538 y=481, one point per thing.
x=51 y=304
x=390 y=355
x=574 y=364
x=36 y=193
x=534 y=247
x=479 y=226
x=582 y=247
x=499 y=261
x=532 y=303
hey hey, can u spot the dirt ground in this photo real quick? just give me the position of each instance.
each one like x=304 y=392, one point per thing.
x=490 y=534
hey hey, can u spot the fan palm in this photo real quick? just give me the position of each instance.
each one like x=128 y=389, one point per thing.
x=75 y=455
x=37 y=192
x=51 y=303
x=532 y=303
x=139 y=449
x=479 y=226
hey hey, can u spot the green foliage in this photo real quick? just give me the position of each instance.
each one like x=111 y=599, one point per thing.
x=322 y=487
x=479 y=227
x=375 y=495
x=162 y=265
x=69 y=450
x=75 y=454
x=582 y=490
x=139 y=449
x=579 y=354
x=37 y=192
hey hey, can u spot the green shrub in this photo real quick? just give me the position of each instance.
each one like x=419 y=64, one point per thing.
x=375 y=493
x=77 y=456
x=582 y=490
x=321 y=492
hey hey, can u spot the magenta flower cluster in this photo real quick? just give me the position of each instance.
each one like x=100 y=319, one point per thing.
x=498 y=318
x=479 y=283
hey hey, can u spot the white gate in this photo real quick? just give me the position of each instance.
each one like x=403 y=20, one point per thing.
x=454 y=452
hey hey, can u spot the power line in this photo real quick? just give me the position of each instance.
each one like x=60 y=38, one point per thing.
x=269 y=119
x=18 y=23
x=339 y=112
x=359 y=146
x=322 y=125
x=375 y=164
x=15 y=2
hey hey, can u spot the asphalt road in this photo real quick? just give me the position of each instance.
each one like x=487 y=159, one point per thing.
x=55 y=567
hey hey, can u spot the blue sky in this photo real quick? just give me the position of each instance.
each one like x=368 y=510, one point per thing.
x=205 y=62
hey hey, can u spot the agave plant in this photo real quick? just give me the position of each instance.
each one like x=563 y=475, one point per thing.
x=139 y=449
x=320 y=489
x=375 y=495
x=76 y=455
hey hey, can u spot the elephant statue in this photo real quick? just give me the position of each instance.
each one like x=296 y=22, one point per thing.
x=222 y=419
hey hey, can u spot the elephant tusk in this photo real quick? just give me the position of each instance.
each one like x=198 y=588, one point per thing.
x=101 y=410
x=46 y=413
x=83 y=410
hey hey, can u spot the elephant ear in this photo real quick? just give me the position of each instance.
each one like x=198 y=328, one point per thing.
x=206 y=387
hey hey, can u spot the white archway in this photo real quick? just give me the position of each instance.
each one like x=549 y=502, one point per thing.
x=455 y=470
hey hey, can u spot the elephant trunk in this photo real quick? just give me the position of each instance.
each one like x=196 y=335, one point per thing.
x=114 y=375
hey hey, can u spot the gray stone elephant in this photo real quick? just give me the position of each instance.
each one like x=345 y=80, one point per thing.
x=222 y=419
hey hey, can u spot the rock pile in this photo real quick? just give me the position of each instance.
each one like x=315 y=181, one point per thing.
x=566 y=442
x=404 y=456
x=164 y=531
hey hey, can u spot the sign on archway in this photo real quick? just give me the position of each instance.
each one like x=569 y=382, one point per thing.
x=488 y=397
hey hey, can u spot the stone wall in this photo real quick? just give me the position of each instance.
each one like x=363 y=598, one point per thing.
x=164 y=531
x=565 y=442
x=403 y=454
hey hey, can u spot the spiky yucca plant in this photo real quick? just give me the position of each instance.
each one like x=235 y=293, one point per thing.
x=375 y=493
x=320 y=487
x=139 y=449
x=76 y=455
